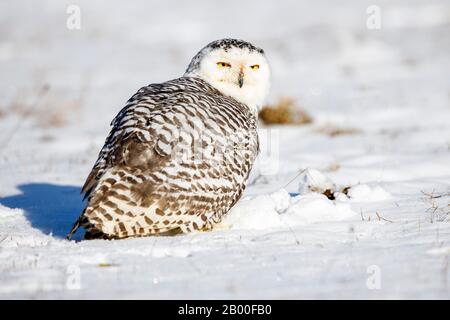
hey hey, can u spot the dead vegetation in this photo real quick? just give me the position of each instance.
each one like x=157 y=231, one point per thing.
x=333 y=167
x=379 y=217
x=47 y=107
x=41 y=107
x=107 y=265
x=334 y=131
x=285 y=111
x=439 y=203
x=331 y=194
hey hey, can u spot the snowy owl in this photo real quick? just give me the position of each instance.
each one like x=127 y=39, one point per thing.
x=180 y=152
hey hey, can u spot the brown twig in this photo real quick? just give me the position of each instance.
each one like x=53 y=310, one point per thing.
x=382 y=218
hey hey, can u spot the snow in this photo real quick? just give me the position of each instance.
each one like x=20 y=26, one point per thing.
x=312 y=180
x=363 y=192
x=258 y=213
x=281 y=198
x=60 y=89
x=279 y=209
x=313 y=207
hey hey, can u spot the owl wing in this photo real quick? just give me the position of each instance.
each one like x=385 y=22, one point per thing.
x=129 y=128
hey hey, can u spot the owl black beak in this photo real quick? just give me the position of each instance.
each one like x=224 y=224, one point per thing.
x=241 y=79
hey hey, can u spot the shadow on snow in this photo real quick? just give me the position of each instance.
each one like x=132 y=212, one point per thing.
x=49 y=207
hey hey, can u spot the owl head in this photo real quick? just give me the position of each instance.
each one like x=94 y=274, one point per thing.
x=234 y=67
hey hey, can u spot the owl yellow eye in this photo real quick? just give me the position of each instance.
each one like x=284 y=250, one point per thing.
x=254 y=67
x=223 y=65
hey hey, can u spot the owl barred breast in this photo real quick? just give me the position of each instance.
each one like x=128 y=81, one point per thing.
x=179 y=153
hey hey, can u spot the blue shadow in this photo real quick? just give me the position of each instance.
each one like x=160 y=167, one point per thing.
x=49 y=207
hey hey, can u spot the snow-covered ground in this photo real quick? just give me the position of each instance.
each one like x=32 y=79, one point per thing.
x=389 y=238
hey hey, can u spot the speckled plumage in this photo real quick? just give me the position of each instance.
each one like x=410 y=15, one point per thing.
x=176 y=160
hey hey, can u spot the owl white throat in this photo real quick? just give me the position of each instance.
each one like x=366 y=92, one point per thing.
x=236 y=68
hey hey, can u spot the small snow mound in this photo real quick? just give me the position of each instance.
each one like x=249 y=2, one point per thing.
x=277 y=210
x=282 y=200
x=363 y=193
x=257 y=213
x=312 y=180
x=315 y=207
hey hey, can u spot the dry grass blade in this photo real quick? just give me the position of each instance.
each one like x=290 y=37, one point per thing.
x=334 y=131
x=380 y=217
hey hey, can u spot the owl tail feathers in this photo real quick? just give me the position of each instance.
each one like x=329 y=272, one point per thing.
x=91 y=232
x=82 y=221
x=74 y=229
